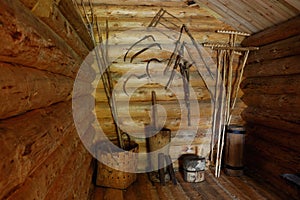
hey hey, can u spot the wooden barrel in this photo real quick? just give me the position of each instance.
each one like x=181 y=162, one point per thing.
x=193 y=168
x=234 y=150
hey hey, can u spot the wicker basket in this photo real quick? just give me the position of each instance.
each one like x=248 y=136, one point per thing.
x=113 y=178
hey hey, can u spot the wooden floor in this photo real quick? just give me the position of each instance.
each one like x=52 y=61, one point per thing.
x=224 y=187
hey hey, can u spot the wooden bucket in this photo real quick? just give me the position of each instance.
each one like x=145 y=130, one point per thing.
x=234 y=150
x=193 y=168
x=113 y=178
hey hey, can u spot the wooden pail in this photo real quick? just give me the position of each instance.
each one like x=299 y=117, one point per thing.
x=234 y=150
x=193 y=168
x=113 y=178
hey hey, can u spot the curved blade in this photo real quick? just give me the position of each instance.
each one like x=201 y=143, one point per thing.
x=151 y=60
x=141 y=51
x=144 y=38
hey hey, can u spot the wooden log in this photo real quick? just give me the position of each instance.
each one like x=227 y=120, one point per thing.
x=262 y=158
x=167 y=3
x=275 y=33
x=282 y=156
x=82 y=106
x=29 y=42
x=194 y=26
x=86 y=72
x=24 y=89
x=118 y=37
x=37 y=184
x=277 y=137
x=83 y=124
x=72 y=14
x=88 y=138
x=144 y=15
x=137 y=11
x=280 y=66
x=136 y=126
x=111 y=193
x=82 y=88
x=143 y=94
x=26 y=144
x=272 y=85
x=75 y=167
x=29 y=3
x=61 y=26
x=83 y=186
x=285 y=121
x=286 y=102
x=158 y=80
x=270 y=172
x=279 y=49
x=140 y=109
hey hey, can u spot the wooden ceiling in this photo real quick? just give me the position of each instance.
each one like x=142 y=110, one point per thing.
x=242 y=15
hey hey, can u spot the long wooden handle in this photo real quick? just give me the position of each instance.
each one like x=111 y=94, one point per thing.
x=154 y=110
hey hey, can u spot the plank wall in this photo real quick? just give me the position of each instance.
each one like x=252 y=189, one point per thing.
x=41 y=154
x=272 y=93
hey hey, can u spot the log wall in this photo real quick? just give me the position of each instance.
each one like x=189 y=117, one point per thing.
x=126 y=17
x=41 y=154
x=271 y=89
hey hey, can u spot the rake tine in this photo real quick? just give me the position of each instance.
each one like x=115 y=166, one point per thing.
x=144 y=38
x=141 y=51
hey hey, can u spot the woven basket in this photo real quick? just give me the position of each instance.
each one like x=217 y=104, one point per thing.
x=113 y=178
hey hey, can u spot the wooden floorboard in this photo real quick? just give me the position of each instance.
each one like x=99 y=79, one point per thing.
x=225 y=187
